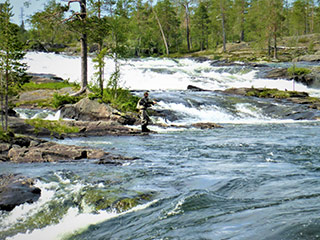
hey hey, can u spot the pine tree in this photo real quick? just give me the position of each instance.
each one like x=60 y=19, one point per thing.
x=12 y=70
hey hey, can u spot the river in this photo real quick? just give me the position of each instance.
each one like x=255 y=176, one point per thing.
x=257 y=177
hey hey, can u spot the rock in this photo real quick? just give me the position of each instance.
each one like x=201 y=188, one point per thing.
x=278 y=73
x=52 y=152
x=307 y=58
x=194 y=88
x=115 y=160
x=92 y=110
x=206 y=125
x=29 y=149
x=237 y=91
x=16 y=190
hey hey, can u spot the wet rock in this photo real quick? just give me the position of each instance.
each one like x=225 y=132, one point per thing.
x=278 y=73
x=109 y=159
x=207 y=125
x=16 y=190
x=194 y=88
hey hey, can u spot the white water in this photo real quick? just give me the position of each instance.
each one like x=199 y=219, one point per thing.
x=171 y=74
x=74 y=221
x=157 y=74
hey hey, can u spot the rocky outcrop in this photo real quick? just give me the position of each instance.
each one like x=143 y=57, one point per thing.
x=16 y=190
x=308 y=58
x=26 y=149
x=292 y=96
x=92 y=110
x=86 y=128
x=311 y=79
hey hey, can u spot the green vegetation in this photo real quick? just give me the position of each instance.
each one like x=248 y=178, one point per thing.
x=297 y=71
x=55 y=127
x=39 y=103
x=12 y=71
x=30 y=86
x=271 y=93
x=60 y=100
x=120 y=99
x=164 y=27
x=5 y=136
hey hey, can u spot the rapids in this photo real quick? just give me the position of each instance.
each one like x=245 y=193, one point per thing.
x=258 y=177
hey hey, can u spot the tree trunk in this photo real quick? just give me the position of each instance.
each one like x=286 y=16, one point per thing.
x=84 y=50
x=242 y=21
x=275 y=49
x=2 y=100
x=188 y=27
x=223 y=27
x=6 y=102
x=161 y=30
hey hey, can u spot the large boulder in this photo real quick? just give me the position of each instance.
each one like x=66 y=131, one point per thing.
x=16 y=190
x=92 y=110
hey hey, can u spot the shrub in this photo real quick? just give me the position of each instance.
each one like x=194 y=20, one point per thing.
x=121 y=99
x=60 y=100
x=296 y=71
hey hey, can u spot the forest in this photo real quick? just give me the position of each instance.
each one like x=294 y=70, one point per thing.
x=135 y=28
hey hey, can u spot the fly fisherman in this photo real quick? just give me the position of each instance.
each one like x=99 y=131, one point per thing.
x=143 y=105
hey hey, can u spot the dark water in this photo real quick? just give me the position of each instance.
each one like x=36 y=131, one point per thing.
x=258 y=181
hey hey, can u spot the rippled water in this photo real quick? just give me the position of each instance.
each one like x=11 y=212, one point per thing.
x=258 y=181
x=257 y=177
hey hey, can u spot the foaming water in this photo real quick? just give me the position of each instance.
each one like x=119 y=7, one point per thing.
x=74 y=223
x=159 y=74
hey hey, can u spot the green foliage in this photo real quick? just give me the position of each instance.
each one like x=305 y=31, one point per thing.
x=272 y=93
x=5 y=136
x=120 y=99
x=53 y=126
x=40 y=103
x=60 y=100
x=12 y=70
x=30 y=86
x=297 y=71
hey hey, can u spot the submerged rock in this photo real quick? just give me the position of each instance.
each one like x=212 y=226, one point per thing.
x=16 y=190
x=207 y=125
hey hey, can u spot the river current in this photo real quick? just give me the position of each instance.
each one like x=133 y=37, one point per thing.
x=257 y=177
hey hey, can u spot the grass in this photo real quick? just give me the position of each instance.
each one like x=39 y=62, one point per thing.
x=296 y=71
x=30 y=86
x=271 y=93
x=121 y=99
x=53 y=126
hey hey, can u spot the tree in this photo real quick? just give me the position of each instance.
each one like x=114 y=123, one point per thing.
x=161 y=29
x=201 y=22
x=82 y=19
x=47 y=28
x=186 y=6
x=166 y=14
x=12 y=70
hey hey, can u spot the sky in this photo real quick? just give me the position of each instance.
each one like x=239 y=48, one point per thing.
x=29 y=9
